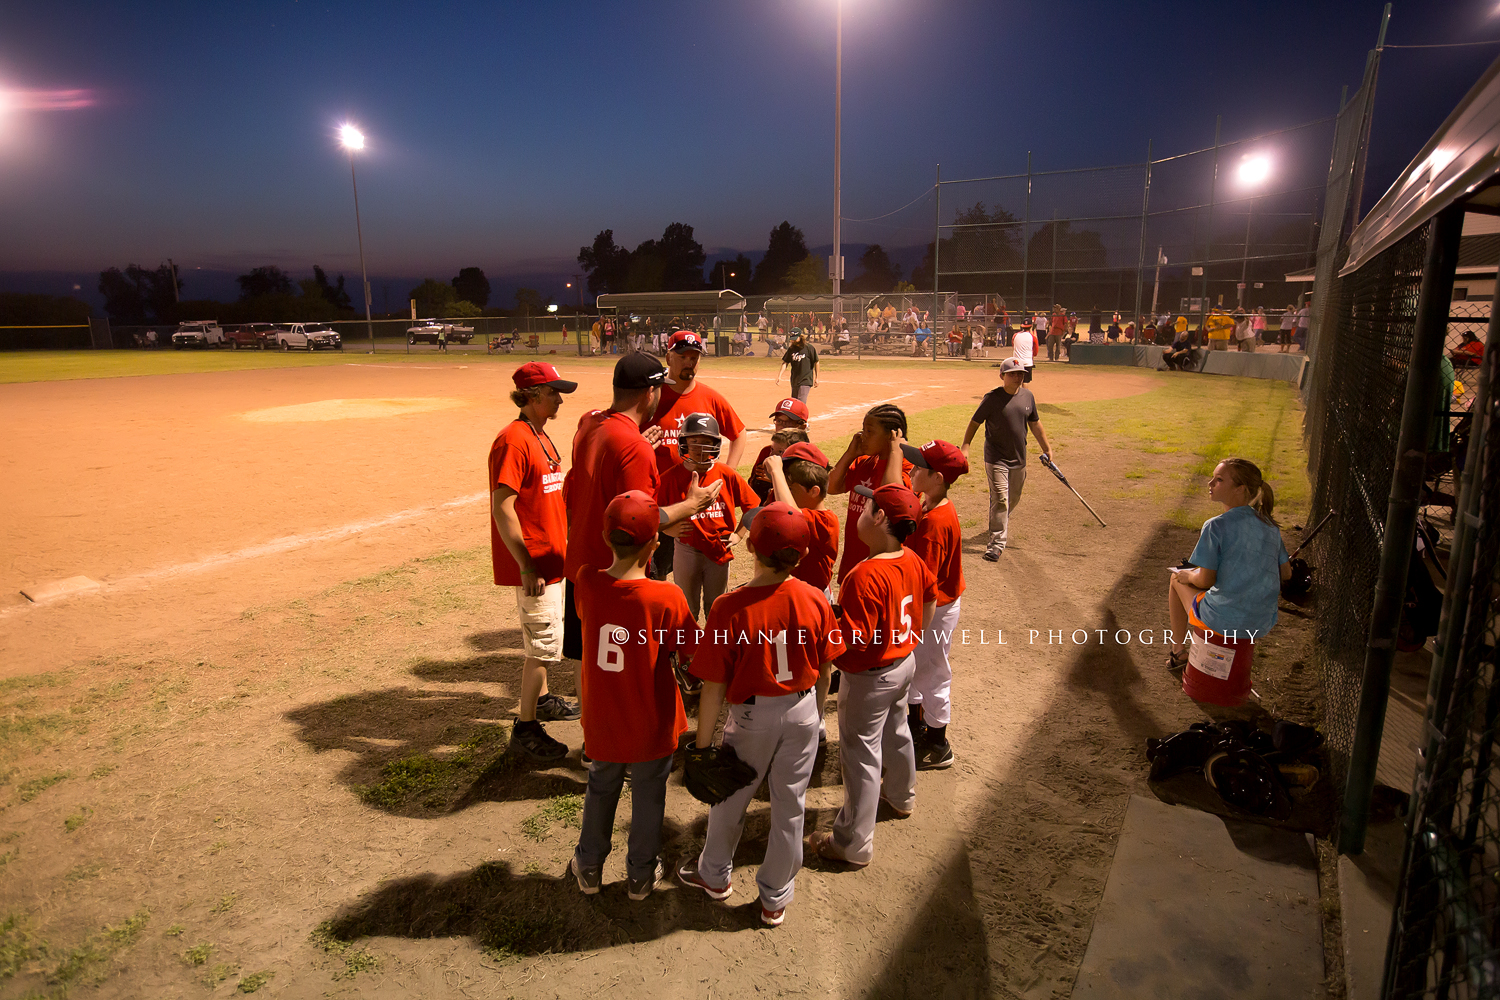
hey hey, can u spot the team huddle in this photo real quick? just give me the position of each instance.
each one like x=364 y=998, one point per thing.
x=647 y=495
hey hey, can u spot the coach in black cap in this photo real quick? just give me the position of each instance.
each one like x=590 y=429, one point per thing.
x=612 y=456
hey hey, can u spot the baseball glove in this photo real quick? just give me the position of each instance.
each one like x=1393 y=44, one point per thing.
x=715 y=773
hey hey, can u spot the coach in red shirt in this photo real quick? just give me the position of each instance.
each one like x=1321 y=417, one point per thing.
x=684 y=394
x=528 y=536
x=613 y=455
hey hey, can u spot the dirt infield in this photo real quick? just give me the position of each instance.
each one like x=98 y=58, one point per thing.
x=269 y=751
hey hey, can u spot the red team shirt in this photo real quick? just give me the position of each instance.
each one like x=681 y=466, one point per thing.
x=518 y=461
x=816 y=567
x=765 y=642
x=882 y=602
x=866 y=470
x=632 y=711
x=937 y=541
x=674 y=406
x=760 y=479
x=609 y=458
x=707 y=531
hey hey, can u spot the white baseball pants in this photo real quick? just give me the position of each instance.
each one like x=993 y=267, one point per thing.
x=873 y=734
x=779 y=738
x=702 y=580
x=933 y=678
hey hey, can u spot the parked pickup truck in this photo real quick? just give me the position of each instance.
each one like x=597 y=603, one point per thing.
x=259 y=335
x=198 y=333
x=307 y=335
x=426 y=332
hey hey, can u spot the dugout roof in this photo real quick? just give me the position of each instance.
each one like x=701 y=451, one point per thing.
x=710 y=301
x=1460 y=162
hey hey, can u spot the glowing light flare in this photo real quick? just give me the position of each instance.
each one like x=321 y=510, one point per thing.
x=351 y=137
x=1254 y=170
x=45 y=100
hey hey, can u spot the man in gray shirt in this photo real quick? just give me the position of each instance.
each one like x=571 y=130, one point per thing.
x=1005 y=414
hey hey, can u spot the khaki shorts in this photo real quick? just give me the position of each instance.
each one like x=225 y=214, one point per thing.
x=542 y=622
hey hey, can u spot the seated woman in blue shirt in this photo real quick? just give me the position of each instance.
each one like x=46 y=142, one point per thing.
x=1238 y=564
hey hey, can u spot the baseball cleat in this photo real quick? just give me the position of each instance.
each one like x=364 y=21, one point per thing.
x=688 y=874
x=639 y=889
x=772 y=918
x=822 y=845
x=900 y=813
x=551 y=708
x=588 y=878
x=532 y=740
x=935 y=756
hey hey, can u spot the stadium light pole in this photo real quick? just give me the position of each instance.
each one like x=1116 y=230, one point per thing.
x=836 y=265
x=1254 y=170
x=353 y=139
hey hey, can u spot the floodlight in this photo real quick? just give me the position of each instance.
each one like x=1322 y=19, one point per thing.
x=1254 y=169
x=552 y=308
x=351 y=137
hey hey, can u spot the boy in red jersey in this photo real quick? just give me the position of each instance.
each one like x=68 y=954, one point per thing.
x=886 y=601
x=790 y=414
x=938 y=541
x=872 y=459
x=700 y=562
x=772 y=644
x=799 y=477
x=632 y=711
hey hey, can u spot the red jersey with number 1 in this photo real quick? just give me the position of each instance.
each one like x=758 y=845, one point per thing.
x=765 y=642
x=866 y=470
x=882 y=602
x=632 y=710
x=938 y=540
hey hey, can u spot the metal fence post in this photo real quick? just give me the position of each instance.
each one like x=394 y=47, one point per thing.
x=1208 y=239
x=1053 y=289
x=937 y=245
x=1140 y=259
x=1417 y=414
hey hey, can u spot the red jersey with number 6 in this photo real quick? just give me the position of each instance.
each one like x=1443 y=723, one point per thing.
x=768 y=641
x=866 y=470
x=882 y=602
x=632 y=710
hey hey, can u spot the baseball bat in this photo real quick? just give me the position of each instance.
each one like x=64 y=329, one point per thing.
x=1064 y=480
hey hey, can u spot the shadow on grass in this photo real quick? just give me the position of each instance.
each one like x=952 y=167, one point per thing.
x=424 y=753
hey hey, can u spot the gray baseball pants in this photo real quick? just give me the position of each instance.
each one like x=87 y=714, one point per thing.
x=802 y=392
x=932 y=679
x=702 y=580
x=648 y=799
x=1005 y=493
x=779 y=738
x=873 y=734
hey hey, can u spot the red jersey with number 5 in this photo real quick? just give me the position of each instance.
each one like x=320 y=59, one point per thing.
x=632 y=710
x=768 y=641
x=882 y=601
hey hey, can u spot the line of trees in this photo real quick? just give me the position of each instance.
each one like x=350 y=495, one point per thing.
x=675 y=262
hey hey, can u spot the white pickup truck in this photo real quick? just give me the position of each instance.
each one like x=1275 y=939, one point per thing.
x=309 y=336
x=198 y=333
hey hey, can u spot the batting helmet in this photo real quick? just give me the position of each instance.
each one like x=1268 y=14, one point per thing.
x=699 y=425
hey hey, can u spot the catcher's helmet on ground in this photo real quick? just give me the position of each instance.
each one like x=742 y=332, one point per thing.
x=699 y=425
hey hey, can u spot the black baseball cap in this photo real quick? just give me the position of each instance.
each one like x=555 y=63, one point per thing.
x=640 y=371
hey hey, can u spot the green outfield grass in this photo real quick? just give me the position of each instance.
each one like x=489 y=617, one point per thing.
x=49 y=366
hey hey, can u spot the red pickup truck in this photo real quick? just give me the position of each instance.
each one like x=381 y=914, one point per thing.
x=258 y=335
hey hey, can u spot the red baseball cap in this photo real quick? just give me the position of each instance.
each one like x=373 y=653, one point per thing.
x=943 y=457
x=896 y=501
x=791 y=408
x=778 y=526
x=804 y=451
x=685 y=340
x=635 y=513
x=535 y=373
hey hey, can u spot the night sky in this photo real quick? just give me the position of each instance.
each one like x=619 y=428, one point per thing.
x=506 y=135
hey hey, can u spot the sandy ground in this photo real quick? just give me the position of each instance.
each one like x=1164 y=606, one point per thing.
x=295 y=596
